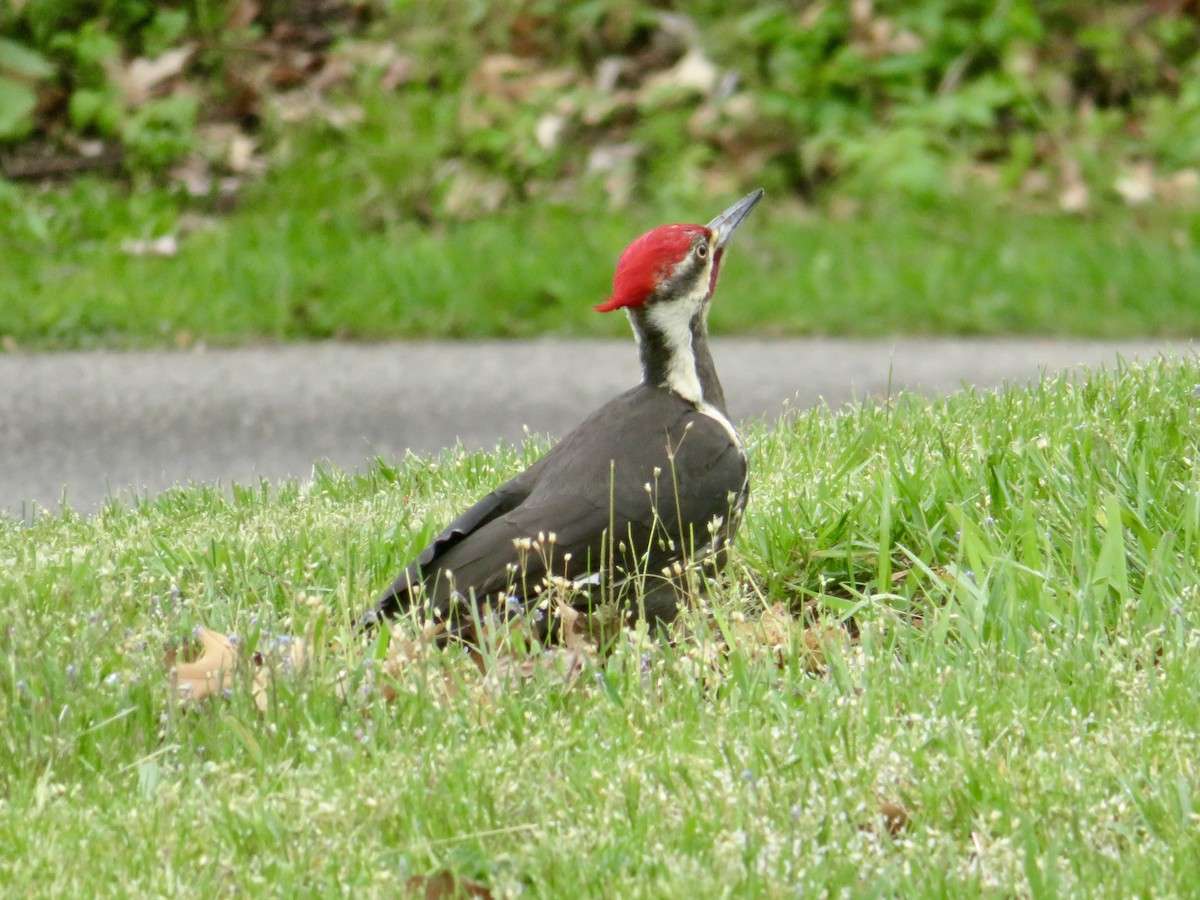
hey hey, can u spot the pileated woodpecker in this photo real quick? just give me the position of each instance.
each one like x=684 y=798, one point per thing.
x=652 y=482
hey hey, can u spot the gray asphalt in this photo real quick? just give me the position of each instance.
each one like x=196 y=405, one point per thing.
x=80 y=427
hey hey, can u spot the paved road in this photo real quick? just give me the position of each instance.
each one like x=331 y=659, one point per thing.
x=80 y=426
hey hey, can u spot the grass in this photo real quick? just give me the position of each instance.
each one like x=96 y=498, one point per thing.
x=333 y=243
x=1019 y=568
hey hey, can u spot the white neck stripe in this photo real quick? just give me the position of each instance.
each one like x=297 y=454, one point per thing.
x=673 y=320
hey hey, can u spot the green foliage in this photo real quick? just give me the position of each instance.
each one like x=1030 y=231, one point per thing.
x=159 y=131
x=17 y=102
x=895 y=95
x=1173 y=125
x=21 y=69
x=904 y=91
x=83 y=52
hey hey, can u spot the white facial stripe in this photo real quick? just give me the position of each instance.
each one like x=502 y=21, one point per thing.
x=673 y=318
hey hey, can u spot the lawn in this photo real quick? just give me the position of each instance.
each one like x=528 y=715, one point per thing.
x=988 y=686
x=332 y=243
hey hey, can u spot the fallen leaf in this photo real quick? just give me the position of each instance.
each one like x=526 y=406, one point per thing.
x=1075 y=195
x=694 y=72
x=570 y=628
x=562 y=667
x=876 y=36
x=512 y=663
x=241 y=157
x=408 y=657
x=612 y=71
x=1035 y=183
x=242 y=14
x=402 y=71
x=138 y=80
x=549 y=129
x=167 y=245
x=287 y=656
x=444 y=884
x=1074 y=198
x=305 y=105
x=895 y=816
x=502 y=76
x=780 y=635
x=214 y=669
x=615 y=165
x=194 y=175
x=211 y=672
x=1182 y=187
x=505 y=663
x=1136 y=186
x=471 y=192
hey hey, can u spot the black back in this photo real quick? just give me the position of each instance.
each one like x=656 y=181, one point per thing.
x=590 y=492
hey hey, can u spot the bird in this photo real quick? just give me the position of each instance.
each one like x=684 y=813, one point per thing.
x=626 y=506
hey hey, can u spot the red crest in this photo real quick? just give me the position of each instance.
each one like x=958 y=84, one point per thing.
x=647 y=261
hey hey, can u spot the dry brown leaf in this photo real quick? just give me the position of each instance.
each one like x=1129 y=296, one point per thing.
x=1074 y=198
x=616 y=166
x=214 y=669
x=402 y=71
x=1035 y=183
x=138 y=80
x=1136 y=185
x=241 y=154
x=211 y=672
x=1182 y=187
x=305 y=105
x=406 y=656
x=876 y=36
x=1075 y=195
x=502 y=76
x=293 y=659
x=167 y=245
x=444 y=884
x=561 y=666
x=548 y=130
x=895 y=817
x=194 y=174
x=780 y=635
x=694 y=72
x=471 y=192
x=571 y=627
x=505 y=667
x=242 y=14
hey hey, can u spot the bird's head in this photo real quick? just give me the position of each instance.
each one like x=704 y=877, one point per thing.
x=675 y=263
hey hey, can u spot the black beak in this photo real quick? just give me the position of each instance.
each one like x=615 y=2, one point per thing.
x=723 y=225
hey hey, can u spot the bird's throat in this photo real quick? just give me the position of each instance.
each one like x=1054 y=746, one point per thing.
x=673 y=345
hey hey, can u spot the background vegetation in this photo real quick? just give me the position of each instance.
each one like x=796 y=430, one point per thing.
x=955 y=652
x=225 y=170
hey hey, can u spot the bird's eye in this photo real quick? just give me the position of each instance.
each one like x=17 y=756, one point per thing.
x=701 y=250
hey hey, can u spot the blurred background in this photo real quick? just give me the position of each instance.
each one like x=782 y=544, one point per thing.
x=231 y=171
